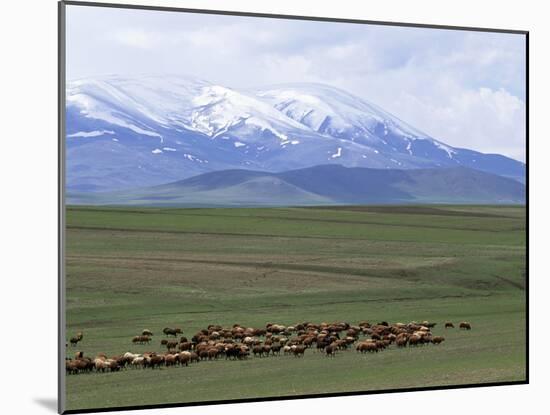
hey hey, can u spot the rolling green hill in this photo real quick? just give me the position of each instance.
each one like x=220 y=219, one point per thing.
x=328 y=184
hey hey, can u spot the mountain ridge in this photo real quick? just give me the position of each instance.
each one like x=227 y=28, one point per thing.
x=125 y=132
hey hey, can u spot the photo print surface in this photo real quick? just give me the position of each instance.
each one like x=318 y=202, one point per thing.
x=264 y=208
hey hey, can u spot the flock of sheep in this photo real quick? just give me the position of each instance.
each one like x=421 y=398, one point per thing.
x=239 y=343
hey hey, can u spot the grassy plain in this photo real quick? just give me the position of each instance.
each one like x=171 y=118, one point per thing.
x=135 y=268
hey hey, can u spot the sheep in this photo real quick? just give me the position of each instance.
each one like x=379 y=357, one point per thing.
x=185 y=346
x=275 y=328
x=171 y=345
x=465 y=325
x=71 y=367
x=170 y=360
x=230 y=350
x=401 y=340
x=154 y=361
x=100 y=364
x=138 y=361
x=172 y=331
x=298 y=350
x=414 y=340
x=238 y=342
x=212 y=353
x=250 y=341
x=74 y=340
x=330 y=350
x=438 y=339
x=141 y=339
x=258 y=350
x=449 y=325
x=130 y=356
x=193 y=357
x=276 y=348
x=243 y=352
x=184 y=358
x=85 y=364
x=113 y=365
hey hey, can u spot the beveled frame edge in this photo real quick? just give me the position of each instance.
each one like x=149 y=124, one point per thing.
x=61 y=81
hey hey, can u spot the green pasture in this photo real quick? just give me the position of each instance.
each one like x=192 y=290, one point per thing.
x=134 y=268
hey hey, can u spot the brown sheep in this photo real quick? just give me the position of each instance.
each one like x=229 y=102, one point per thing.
x=141 y=339
x=364 y=346
x=171 y=345
x=258 y=350
x=184 y=358
x=170 y=360
x=85 y=364
x=113 y=365
x=185 y=346
x=172 y=331
x=298 y=350
x=401 y=341
x=372 y=347
x=276 y=348
x=71 y=366
x=155 y=361
x=330 y=350
x=449 y=325
x=212 y=353
x=194 y=357
x=465 y=325
x=438 y=339
x=243 y=352
x=74 y=340
x=146 y=332
x=414 y=340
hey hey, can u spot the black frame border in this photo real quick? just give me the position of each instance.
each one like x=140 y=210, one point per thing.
x=61 y=203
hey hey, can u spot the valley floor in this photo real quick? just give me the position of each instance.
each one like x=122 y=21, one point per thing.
x=130 y=268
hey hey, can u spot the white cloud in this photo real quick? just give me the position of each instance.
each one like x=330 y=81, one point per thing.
x=464 y=88
x=486 y=120
x=137 y=38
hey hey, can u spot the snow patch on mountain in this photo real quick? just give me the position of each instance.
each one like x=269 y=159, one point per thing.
x=87 y=134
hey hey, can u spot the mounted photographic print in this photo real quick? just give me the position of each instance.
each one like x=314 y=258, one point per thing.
x=260 y=207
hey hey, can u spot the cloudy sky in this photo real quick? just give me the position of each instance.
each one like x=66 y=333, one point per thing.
x=464 y=88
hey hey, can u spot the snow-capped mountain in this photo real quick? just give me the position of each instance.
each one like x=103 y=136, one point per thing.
x=148 y=130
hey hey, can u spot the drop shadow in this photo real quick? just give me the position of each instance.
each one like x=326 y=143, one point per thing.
x=48 y=403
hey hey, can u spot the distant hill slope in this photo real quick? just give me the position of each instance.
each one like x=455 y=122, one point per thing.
x=321 y=185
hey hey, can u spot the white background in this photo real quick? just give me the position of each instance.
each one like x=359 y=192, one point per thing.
x=28 y=175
